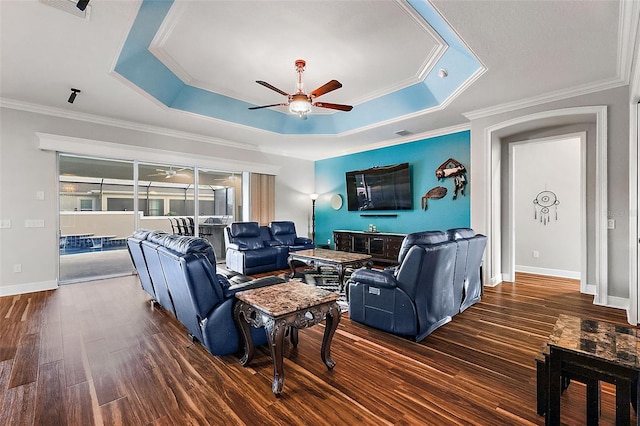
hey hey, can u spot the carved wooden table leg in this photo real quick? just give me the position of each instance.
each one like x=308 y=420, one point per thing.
x=245 y=328
x=275 y=334
x=332 y=320
x=294 y=336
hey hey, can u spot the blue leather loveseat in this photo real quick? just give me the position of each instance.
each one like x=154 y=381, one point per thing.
x=438 y=276
x=253 y=249
x=184 y=270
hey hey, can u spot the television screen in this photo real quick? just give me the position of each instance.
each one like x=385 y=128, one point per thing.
x=380 y=188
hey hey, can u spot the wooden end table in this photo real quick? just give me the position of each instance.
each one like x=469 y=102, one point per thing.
x=281 y=307
x=597 y=351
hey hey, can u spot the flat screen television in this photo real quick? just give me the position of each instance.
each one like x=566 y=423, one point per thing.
x=380 y=188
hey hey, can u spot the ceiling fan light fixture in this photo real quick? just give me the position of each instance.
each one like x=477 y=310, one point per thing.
x=300 y=105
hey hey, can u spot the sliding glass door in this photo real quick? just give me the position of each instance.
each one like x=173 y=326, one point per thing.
x=94 y=222
x=99 y=209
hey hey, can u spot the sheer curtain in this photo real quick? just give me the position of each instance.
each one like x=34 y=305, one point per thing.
x=263 y=191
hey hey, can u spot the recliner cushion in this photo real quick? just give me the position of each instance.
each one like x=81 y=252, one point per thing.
x=420 y=238
x=247 y=233
x=185 y=245
x=458 y=233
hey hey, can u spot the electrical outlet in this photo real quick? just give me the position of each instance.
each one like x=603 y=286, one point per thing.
x=40 y=195
x=17 y=267
x=536 y=254
x=5 y=223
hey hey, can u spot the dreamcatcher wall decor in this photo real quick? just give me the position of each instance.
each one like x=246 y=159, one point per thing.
x=542 y=205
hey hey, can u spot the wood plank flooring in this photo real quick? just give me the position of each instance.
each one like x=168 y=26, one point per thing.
x=98 y=353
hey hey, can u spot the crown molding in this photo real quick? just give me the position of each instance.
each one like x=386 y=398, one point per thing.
x=546 y=98
x=123 y=124
x=406 y=139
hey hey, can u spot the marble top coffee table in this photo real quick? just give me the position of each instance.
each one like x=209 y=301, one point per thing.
x=340 y=260
x=279 y=307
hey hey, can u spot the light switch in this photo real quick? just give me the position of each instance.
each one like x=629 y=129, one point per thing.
x=611 y=224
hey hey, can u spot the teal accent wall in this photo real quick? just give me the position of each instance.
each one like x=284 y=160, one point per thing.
x=424 y=157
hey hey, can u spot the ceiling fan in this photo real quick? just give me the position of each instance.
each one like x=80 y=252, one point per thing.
x=300 y=103
x=168 y=174
x=231 y=178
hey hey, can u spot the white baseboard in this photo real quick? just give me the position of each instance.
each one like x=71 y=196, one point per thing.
x=616 y=302
x=28 y=288
x=546 y=271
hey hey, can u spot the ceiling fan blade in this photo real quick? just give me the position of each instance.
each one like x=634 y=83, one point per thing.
x=328 y=87
x=274 y=88
x=267 y=106
x=333 y=106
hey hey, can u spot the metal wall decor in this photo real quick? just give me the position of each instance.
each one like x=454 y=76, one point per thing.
x=542 y=205
x=456 y=170
x=435 y=193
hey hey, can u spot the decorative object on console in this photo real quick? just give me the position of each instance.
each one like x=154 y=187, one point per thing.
x=542 y=206
x=436 y=193
x=456 y=170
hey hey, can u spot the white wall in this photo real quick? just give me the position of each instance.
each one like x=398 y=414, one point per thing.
x=547 y=166
x=25 y=170
x=617 y=103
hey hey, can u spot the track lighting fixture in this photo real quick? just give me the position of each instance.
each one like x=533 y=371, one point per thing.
x=74 y=93
x=82 y=4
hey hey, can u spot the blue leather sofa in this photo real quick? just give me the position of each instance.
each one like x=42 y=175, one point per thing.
x=438 y=276
x=252 y=248
x=202 y=299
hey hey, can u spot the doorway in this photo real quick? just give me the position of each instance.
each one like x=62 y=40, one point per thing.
x=547 y=208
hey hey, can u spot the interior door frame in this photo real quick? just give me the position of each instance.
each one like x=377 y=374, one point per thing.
x=492 y=202
x=509 y=274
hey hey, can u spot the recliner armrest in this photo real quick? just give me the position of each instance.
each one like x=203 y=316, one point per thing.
x=302 y=241
x=272 y=243
x=257 y=283
x=374 y=278
x=239 y=247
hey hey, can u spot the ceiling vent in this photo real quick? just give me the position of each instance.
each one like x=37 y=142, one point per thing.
x=69 y=6
x=403 y=133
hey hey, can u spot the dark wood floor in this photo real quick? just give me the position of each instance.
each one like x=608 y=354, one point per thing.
x=96 y=353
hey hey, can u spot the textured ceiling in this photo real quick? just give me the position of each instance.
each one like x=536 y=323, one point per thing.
x=532 y=51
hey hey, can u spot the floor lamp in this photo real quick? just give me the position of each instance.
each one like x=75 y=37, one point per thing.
x=313 y=197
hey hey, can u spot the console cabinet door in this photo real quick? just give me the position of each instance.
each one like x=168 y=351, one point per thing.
x=382 y=248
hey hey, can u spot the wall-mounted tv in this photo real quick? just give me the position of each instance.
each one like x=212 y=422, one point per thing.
x=380 y=188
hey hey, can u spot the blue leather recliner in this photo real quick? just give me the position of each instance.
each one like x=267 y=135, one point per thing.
x=284 y=234
x=134 y=246
x=448 y=293
x=150 y=246
x=250 y=249
x=182 y=270
x=412 y=301
x=468 y=278
x=203 y=299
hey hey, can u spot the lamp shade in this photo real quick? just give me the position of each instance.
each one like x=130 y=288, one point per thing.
x=300 y=104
